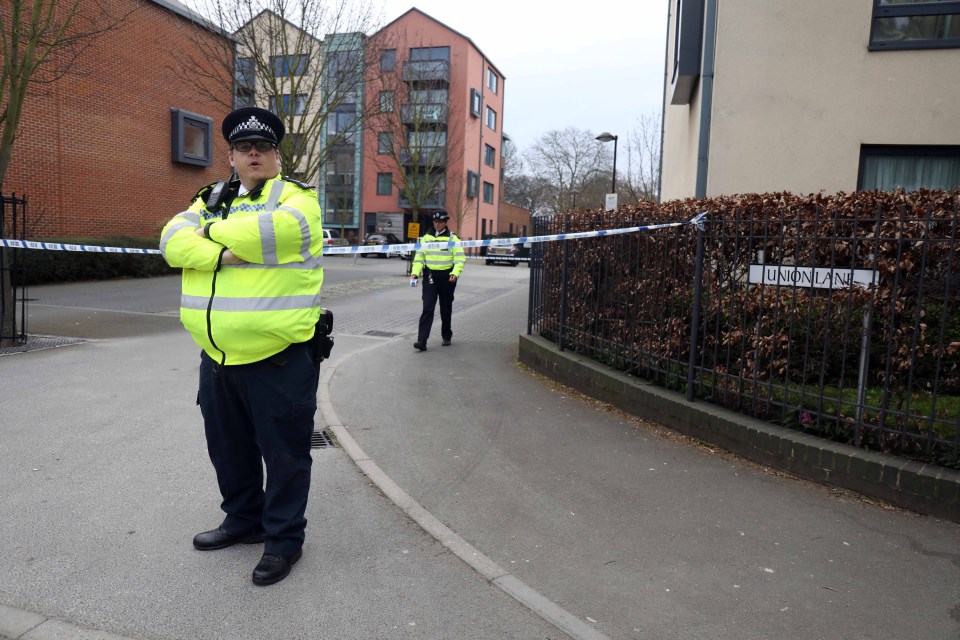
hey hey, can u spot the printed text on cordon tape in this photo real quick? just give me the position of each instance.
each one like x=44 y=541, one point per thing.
x=698 y=220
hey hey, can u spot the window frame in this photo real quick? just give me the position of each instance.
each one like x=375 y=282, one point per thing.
x=912 y=10
x=491 y=192
x=489 y=155
x=492 y=80
x=476 y=103
x=388 y=60
x=180 y=122
x=281 y=68
x=388 y=96
x=384 y=149
x=491 y=115
x=473 y=184
x=903 y=150
x=389 y=183
x=299 y=104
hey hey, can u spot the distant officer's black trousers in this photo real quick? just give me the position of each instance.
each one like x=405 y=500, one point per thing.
x=257 y=415
x=436 y=286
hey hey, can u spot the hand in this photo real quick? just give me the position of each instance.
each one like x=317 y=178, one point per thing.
x=229 y=258
x=453 y=278
x=201 y=232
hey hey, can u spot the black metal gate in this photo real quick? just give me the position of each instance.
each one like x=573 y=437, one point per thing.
x=13 y=284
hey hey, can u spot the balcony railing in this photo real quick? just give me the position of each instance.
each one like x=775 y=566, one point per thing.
x=430 y=113
x=436 y=201
x=426 y=71
x=424 y=156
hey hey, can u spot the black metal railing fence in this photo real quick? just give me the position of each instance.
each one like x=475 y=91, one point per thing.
x=13 y=298
x=835 y=316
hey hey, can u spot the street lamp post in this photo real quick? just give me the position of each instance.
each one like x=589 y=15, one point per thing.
x=607 y=137
x=575 y=193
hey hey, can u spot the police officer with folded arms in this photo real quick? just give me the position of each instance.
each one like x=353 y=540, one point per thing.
x=250 y=250
x=441 y=270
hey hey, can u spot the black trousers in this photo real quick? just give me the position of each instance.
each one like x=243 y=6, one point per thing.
x=257 y=415
x=436 y=285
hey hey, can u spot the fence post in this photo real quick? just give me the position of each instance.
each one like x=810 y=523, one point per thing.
x=563 y=282
x=695 y=322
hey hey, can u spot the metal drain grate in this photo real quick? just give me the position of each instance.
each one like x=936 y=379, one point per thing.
x=322 y=440
x=381 y=334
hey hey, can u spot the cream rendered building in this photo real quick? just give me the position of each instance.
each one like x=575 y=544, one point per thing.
x=810 y=95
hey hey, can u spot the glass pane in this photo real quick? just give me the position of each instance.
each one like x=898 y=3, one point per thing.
x=911 y=172
x=885 y=2
x=909 y=28
x=194 y=140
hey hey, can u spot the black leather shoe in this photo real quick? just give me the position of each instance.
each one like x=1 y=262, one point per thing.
x=446 y=343
x=273 y=568
x=220 y=539
x=420 y=346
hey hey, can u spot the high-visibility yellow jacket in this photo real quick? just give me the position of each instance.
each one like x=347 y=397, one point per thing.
x=248 y=312
x=451 y=260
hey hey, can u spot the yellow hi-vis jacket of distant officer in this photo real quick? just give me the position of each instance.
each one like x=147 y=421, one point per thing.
x=245 y=313
x=444 y=259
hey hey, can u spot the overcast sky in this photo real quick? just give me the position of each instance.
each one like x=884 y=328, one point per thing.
x=595 y=66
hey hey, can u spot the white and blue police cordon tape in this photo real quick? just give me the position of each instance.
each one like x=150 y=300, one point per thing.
x=697 y=220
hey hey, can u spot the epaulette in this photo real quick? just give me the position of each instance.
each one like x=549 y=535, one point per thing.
x=296 y=182
x=203 y=192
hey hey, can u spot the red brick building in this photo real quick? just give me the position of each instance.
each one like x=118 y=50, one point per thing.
x=95 y=150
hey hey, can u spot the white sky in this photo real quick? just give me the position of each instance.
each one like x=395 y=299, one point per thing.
x=596 y=66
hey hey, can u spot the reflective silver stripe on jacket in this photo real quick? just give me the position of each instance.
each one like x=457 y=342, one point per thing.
x=268 y=234
x=282 y=303
x=312 y=262
x=190 y=219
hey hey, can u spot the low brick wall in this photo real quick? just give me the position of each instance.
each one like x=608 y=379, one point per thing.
x=927 y=489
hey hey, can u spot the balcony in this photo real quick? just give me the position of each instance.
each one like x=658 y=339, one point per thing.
x=430 y=157
x=423 y=114
x=426 y=71
x=436 y=201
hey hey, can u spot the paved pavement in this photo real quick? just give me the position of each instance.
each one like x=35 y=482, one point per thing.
x=470 y=498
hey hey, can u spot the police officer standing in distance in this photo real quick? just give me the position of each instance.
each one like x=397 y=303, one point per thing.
x=441 y=270
x=250 y=250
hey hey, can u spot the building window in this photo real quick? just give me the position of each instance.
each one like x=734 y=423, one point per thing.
x=384 y=142
x=491 y=80
x=190 y=138
x=245 y=98
x=388 y=60
x=916 y=24
x=476 y=102
x=341 y=127
x=387 y=101
x=473 y=184
x=489 y=156
x=886 y=168
x=488 y=193
x=384 y=184
x=687 y=50
x=246 y=73
x=288 y=104
x=289 y=65
x=295 y=143
x=491 y=118
x=430 y=53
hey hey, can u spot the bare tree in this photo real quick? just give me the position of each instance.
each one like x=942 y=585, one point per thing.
x=40 y=40
x=568 y=160
x=278 y=60
x=642 y=175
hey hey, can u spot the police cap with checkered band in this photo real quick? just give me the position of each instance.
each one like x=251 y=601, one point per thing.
x=252 y=123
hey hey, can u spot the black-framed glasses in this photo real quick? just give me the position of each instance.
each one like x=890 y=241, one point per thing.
x=262 y=146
